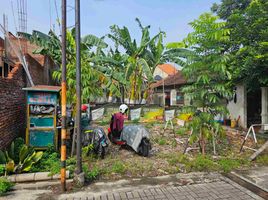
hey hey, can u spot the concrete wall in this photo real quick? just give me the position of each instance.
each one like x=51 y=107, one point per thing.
x=240 y=107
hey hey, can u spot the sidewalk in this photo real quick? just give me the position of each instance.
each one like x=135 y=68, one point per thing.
x=193 y=186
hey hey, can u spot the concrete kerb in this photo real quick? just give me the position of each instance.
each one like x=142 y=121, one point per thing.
x=33 y=177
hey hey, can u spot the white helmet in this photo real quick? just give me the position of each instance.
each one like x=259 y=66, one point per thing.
x=123 y=108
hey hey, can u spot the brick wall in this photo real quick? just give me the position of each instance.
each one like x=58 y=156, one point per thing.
x=13 y=106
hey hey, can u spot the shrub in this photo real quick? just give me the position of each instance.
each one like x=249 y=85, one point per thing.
x=5 y=185
x=92 y=174
x=18 y=143
x=2 y=170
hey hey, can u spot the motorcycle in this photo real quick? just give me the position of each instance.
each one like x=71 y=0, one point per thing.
x=95 y=140
x=134 y=136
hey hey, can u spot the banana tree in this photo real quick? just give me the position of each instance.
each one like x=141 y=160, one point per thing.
x=138 y=68
x=91 y=47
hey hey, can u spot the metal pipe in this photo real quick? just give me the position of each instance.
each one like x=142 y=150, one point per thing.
x=63 y=98
x=78 y=86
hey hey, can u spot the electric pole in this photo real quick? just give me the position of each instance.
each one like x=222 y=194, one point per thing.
x=79 y=174
x=63 y=97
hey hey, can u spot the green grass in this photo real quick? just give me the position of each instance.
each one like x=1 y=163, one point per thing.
x=5 y=185
x=262 y=159
x=228 y=165
x=181 y=131
x=118 y=167
x=201 y=163
x=91 y=174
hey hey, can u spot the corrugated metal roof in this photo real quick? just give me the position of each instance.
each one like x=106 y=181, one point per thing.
x=47 y=88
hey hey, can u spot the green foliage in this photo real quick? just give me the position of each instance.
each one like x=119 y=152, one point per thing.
x=91 y=174
x=207 y=70
x=262 y=159
x=208 y=75
x=201 y=163
x=228 y=164
x=5 y=185
x=181 y=131
x=248 y=21
x=26 y=158
x=2 y=170
x=162 y=141
x=52 y=164
x=177 y=158
x=18 y=143
x=118 y=167
x=92 y=79
x=135 y=121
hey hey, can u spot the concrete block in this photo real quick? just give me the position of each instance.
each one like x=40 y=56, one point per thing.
x=25 y=177
x=42 y=176
x=12 y=178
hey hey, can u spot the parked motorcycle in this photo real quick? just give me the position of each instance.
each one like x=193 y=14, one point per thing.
x=95 y=140
x=134 y=136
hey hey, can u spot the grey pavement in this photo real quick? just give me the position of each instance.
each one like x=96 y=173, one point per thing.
x=225 y=189
x=192 y=186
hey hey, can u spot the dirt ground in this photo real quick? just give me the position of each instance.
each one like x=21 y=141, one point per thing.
x=166 y=156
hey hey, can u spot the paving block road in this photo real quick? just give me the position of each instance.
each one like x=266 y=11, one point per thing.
x=204 y=191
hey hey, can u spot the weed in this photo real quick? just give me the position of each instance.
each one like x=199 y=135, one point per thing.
x=181 y=131
x=179 y=158
x=92 y=174
x=174 y=143
x=5 y=185
x=162 y=141
x=135 y=121
x=262 y=159
x=227 y=164
x=104 y=122
x=201 y=163
x=118 y=167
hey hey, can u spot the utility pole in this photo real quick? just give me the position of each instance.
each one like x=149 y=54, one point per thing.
x=79 y=174
x=63 y=97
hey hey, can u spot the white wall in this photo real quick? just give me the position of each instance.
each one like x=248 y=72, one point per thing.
x=160 y=73
x=240 y=107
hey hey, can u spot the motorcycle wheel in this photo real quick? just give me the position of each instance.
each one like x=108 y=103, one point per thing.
x=101 y=152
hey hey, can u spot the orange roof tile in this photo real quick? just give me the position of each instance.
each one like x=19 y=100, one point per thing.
x=168 y=68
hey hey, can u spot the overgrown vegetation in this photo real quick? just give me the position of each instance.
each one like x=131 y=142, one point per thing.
x=5 y=185
x=22 y=162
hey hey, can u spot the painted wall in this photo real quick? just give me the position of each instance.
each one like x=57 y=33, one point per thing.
x=240 y=107
x=159 y=72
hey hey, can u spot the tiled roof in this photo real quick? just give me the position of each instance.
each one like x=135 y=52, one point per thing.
x=168 y=68
x=176 y=79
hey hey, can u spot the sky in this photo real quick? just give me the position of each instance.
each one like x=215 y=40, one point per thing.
x=171 y=16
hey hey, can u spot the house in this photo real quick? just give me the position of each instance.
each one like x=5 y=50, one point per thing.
x=250 y=107
x=163 y=71
x=169 y=89
x=12 y=79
